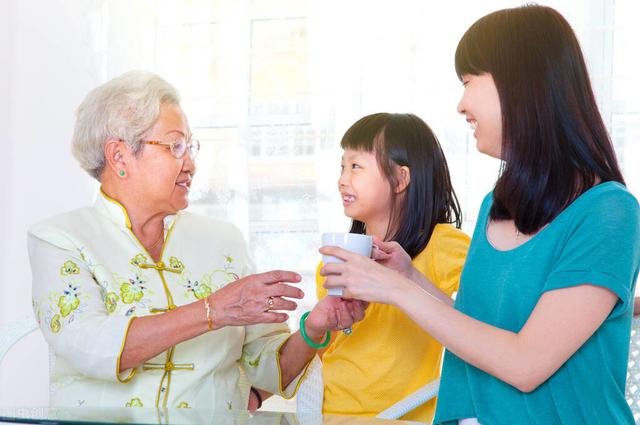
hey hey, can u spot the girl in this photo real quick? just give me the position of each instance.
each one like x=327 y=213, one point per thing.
x=395 y=185
x=539 y=332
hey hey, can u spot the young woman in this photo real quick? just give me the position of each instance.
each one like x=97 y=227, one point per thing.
x=539 y=332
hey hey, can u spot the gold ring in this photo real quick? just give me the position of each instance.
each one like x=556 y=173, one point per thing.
x=270 y=303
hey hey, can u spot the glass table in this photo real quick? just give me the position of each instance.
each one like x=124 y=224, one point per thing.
x=127 y=415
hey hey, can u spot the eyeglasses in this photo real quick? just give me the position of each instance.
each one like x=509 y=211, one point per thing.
x=179 y=147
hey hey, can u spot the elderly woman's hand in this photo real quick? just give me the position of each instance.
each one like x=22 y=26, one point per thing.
x=361 y=277
x=333 y=314
x=254 y=298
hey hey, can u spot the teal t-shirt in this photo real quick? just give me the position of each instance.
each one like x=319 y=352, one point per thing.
x=595 y=240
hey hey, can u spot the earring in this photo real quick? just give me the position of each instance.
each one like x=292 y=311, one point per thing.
x=122 y=173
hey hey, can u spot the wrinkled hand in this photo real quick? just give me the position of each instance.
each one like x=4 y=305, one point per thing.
x=246 y=301
x=392 y=255
x=362 y=278
x=332 y=314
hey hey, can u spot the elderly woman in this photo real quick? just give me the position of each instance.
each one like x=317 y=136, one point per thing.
x=143 y=304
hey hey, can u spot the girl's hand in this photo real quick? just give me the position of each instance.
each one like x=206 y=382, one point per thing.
x=333 y=314
x=362 y=278
x=390 y=254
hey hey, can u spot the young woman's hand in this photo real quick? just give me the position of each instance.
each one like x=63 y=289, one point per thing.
x=334 y=314
x=390 y=254
x=362 y=278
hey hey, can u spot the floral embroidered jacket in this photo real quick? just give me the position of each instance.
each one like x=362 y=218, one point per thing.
x=91 y=277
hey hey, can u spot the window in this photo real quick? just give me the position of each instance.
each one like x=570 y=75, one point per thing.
x=270 y=86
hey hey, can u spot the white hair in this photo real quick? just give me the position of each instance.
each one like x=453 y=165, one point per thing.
x=124 y=108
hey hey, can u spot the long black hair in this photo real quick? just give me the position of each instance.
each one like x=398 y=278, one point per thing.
x=554 y=143
x=406 y=140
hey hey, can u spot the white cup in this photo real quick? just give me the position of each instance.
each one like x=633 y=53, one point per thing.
x=360 y=244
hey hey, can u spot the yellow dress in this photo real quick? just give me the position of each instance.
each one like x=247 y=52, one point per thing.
x=388 y=356
x=91 y=277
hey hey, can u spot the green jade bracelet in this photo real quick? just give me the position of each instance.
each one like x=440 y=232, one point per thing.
x=306 y=337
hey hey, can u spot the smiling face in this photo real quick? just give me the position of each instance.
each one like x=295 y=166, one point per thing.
x=480 y=104
x=162 y=181
x=365 y=191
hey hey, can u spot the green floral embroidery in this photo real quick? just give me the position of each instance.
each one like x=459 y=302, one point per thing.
x=111 y=301
x=225 y=275
x=69 y=301
x=139 y=259
x=200 y=290
x=132 y=291
x=184 y=405
x=55 y=324
x=69 y=268
x=63 y=307
x=37 y=311
x=209 y=283
x=176 y=264
x=222 y=277
x=254 y=363
x=227 y=271
x=135 y=402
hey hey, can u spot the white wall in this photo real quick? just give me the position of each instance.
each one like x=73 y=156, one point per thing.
x=5 y=109
x=47 y=67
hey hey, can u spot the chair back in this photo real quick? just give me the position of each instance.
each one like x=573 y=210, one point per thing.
x=632 y=392
x=14 y=331
x=311 y=394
